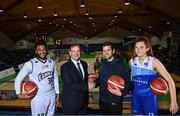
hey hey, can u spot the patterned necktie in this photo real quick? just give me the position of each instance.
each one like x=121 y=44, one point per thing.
x=79 y=69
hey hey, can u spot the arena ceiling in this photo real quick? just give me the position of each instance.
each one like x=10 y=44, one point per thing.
x=19 y=18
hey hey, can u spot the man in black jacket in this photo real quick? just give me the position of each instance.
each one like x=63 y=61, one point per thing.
x=111 y=102
x=75 y=85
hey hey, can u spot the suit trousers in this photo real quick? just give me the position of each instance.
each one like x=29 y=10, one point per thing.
x=72 y=111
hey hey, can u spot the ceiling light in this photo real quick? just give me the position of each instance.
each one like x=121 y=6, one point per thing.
x=1 y=10
x=55 y=14
x=90 y=18
x=87 y=13
x=168 y=23
x=126 y=2
x=39 y=5
x=149 y=26
x=120 y=11
x=25 y=16
x=82 y=5
x=39 y=20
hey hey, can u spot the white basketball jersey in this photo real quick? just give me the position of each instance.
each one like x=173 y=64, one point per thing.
x=44 y=74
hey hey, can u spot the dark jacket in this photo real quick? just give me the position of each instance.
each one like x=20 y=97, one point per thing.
x=75 y=89
x=107 y=69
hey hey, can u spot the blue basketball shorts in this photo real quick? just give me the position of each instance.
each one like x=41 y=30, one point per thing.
x=146 y=105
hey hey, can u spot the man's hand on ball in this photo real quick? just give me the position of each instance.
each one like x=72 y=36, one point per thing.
x=91 y=85
x=23 y=95
x=115 y=91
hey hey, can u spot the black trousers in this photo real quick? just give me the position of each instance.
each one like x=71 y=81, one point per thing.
x=110 y=108
x=74 y=111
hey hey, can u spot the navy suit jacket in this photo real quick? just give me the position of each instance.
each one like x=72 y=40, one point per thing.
x=75 y=88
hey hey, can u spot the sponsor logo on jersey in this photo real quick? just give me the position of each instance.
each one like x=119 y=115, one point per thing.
x=42 y=76
x=146 y=64
x=140 y=81
x=44 y=66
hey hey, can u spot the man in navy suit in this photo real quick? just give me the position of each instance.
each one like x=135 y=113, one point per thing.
x=75 y=83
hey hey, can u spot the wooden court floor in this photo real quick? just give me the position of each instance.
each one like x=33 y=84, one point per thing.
x=25 y=103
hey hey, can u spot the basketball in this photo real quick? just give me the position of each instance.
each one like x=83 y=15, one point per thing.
x=116 y=80
x=30 y=88
x=92 y=77
x=159 y=86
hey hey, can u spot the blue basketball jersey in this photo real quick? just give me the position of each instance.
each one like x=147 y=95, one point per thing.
x=142 y=98
x=142 y=75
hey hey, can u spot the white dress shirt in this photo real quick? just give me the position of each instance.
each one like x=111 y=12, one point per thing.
x=75 y=63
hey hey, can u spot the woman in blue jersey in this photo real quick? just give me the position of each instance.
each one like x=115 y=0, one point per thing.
x=144 y=69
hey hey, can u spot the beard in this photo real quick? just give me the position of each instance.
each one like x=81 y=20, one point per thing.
x=39 y=56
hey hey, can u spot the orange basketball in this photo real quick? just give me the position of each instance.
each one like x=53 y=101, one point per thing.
x=92 y=77
x=116 y=80
x=30 y=88
x=159 y=86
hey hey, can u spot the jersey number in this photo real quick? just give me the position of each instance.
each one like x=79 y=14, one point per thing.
x=50 y=80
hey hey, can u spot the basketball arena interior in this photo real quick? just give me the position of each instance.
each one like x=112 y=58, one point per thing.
x=89 y=23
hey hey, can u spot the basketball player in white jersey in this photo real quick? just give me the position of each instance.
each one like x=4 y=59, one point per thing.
x=43 y=72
